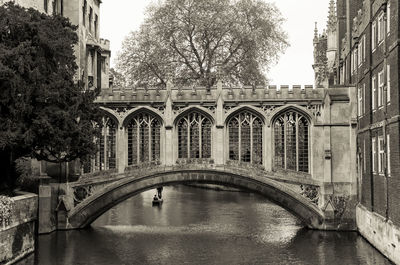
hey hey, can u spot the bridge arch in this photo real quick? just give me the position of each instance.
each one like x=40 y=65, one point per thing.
x=130 y=185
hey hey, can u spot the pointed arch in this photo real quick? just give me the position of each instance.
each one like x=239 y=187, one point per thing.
x=194 y=133
x=112 y=114
x=198 y=109
x=245 y=135
x=105 y=158
x=252 y=109
x=143 y=109
x=304 y=111
x=143 y=128
x=291 y=140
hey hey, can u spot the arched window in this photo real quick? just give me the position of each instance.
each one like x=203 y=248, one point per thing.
x=106 y=157
x=194 y=136
x=245 y=138
x=291 y=130
x=143 y=139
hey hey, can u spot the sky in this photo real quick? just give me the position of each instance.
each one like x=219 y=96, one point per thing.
x=293 y=68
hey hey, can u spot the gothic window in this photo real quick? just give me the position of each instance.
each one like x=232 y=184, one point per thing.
x=143 y=139
x=291 y=133
x=245 y=138
x=106 y=157
x=194 y=136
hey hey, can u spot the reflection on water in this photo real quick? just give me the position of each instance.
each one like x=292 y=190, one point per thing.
x=197 y=226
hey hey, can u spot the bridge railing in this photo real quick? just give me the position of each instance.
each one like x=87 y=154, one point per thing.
x=187 y=164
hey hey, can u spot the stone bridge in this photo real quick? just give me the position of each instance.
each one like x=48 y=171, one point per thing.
x=294 y=145
x=94 y=194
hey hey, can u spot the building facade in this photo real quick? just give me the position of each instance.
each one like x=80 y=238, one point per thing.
x=366 y=54
x=92 y=53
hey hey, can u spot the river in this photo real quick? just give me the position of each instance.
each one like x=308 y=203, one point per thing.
x=198 y=226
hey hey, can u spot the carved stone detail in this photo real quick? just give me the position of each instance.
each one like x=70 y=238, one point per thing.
x=315 y=110
x=177 y=109
x=267 y=109
x=339 y=204
x=311 y=192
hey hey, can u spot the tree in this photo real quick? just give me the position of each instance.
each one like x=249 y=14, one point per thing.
x=189 y=38
x=43 y=112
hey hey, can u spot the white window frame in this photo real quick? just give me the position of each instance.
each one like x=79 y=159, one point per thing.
x=365 y=159
x=388 y=153
x=360 y=49
x=388 y=83
x=363 y=92
x=388 y=18
x=373 y=154
x=373 y=36
x=381 y=154
x=364 y=47
x=359 y=101
x=381 y=28
x=373 y=90
x=355 y=59
x=381 y=85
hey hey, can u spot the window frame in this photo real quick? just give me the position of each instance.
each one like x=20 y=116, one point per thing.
x=388 y=83
x=381 y=28
x=189 y=121
x=373 y=91
x=381 y=85
x=381 y=154
x=282 y=118
x=388 y=164
x=251 y=119
x=373 y=36
x=373 y=152
x=388 y=18
x=360 y=101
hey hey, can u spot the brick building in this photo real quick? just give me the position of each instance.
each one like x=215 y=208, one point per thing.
x=360 y=47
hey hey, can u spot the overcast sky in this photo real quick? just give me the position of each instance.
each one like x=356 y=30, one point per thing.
x=120 y=17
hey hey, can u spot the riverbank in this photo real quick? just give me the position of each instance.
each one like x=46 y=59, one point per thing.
x=17 y=235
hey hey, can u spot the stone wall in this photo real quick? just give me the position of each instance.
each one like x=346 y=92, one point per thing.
x=18 y=238
x=380 y=232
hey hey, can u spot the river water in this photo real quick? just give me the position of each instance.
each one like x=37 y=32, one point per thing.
x=198 y=226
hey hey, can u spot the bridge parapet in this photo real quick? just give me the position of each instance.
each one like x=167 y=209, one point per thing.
x=89 y=184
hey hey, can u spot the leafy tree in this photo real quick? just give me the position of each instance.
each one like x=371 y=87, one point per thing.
x=189 y=38
x=43 y=111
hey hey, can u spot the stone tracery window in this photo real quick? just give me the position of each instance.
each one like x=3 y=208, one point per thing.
x=143 y=139
x=245 y=138
x=291 y=142
x=106 y=157
x=194 y=136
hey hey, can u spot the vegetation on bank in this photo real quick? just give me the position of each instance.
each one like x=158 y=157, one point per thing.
x=6 y=207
